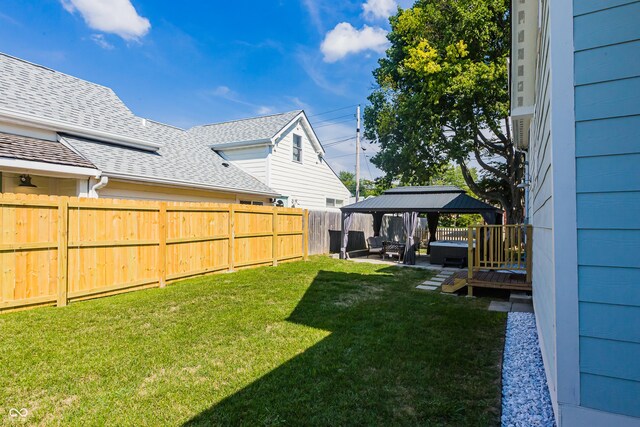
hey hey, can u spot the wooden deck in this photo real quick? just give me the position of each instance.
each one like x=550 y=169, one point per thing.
x=486 y=279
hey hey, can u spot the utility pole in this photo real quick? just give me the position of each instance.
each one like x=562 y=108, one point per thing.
x=358 y=153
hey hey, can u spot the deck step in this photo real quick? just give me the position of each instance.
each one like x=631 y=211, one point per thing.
x=455 y=286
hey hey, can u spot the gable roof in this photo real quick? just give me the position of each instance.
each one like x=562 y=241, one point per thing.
x=36 y=92
x=177 y=162
x=444 y=199
x=97 y=124
x=39 y=150
x=255 y=129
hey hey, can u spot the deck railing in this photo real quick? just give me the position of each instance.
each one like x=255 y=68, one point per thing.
x=500 y=247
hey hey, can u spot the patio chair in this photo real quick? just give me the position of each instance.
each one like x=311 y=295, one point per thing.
x=374 y=244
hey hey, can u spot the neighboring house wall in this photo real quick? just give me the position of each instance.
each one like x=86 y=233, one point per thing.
x=43 y=185
x=607 y=109
x=129 y=190
x=311 y=181
x=541 y=208
x=252 y=160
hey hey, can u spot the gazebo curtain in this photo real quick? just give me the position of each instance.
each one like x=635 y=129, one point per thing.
x=346 y=224
x=410 y=222
x=377 y=222
x=432 y=223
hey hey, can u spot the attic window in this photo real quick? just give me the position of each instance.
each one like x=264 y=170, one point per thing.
x=297 y=148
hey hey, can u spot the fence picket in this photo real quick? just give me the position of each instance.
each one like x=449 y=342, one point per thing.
x=60 y=249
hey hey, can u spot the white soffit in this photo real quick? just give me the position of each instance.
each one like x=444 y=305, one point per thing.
x=524 y=24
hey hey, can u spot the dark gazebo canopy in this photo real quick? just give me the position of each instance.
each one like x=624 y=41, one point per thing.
x=444 y=199
x=411 y=201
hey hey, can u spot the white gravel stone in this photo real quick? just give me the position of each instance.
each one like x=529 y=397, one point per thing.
x=525 y=395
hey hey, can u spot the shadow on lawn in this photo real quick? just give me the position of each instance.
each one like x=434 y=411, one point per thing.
x=394 y=356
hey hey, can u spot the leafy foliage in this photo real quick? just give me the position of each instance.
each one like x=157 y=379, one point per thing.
x=367 y=187
x=443 y=97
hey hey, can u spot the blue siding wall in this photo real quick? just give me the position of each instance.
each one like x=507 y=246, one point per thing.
x=607 y=108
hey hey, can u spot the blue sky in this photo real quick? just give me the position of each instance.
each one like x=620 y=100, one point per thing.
x=192 y=62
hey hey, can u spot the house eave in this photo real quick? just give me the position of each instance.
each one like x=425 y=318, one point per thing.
x=241 y=144
x=47 y=169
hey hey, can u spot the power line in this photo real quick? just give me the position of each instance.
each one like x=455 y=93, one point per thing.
x=334 y=118
x=339 y=142
x=334 y=123
x=333 y=111
x=337 y=138
x=367 y=163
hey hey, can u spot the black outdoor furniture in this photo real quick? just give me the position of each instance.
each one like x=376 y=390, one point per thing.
x=393 y=249
x=375 y=246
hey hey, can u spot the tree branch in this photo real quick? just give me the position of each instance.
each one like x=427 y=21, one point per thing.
x=490 y=168
x=489 y=195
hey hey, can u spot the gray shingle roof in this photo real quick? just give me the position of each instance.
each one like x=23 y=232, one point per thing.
x=251 y=129
x=39 y=91
x=39 y=150
x=178 y=160
x=440 y=199
x=32 y=89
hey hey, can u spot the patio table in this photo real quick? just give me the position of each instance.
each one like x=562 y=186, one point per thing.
x=393 y=249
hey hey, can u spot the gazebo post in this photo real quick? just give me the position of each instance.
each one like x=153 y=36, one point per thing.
x=343 y=249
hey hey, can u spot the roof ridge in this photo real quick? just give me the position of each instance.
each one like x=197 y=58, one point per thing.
x=162 y=124
x=248 y=118
x=44 y=67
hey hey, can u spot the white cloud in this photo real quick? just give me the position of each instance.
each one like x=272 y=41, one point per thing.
x=225 y=92
x=344 y=39
x=263 y=109
x=314 y=14
x=312 y=65
x=110 y=16
x=101 y=41
x=379 y=9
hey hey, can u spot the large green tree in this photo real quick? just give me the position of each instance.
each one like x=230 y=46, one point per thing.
x=367 y=187
x=442 y=96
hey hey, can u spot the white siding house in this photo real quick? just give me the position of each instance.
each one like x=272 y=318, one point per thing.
x=283 y=152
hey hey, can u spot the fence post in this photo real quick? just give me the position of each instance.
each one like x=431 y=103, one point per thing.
x=274 y=237
x=470 y=254
x=529 y=251
x=63 y=250
x=305 y=234
x=231 y=236
x=162 y=248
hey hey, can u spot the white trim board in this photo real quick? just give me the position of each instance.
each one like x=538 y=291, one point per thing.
x=565 y=238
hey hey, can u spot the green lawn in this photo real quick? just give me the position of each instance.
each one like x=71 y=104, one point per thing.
x=323 y=342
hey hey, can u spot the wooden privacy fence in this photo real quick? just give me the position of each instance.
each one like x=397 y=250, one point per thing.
x=500 y=247
x=59 y=249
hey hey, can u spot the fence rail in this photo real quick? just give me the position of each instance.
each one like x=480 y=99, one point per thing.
x=58 y=249
x=500 y=247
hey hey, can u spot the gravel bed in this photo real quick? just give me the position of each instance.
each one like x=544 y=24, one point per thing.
x=525 y=396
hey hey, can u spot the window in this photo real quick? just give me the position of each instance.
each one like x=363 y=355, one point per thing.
x=248 y=202
x=334 y=203
x=297 y=148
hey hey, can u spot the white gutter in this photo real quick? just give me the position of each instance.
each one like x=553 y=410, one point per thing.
x=180 y=183
x=93 y=192
x=58 y=126
x=47 y=169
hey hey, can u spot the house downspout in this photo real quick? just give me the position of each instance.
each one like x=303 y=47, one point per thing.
x=93 y=192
